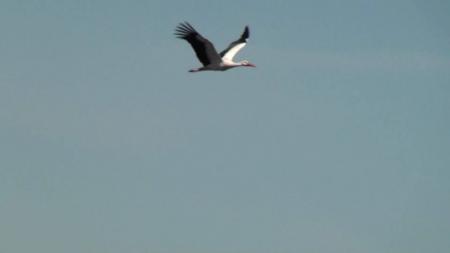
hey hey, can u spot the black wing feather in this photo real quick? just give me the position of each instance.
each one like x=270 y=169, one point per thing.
x=204 y=49
x=244 y=36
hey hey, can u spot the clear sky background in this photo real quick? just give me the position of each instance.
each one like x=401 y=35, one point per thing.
x=338 y=141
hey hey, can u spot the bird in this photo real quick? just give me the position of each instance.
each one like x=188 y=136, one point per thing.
x=206 y=52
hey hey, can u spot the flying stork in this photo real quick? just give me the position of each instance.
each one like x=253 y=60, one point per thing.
x=207 y=54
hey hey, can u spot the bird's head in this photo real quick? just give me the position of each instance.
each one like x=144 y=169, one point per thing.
x=246 y=63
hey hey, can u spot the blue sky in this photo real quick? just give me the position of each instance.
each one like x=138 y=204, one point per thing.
x=337 y=142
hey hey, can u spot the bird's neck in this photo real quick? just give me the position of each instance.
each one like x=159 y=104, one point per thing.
x=237 y=64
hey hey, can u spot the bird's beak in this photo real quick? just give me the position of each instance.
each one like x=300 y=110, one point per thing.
x=251 y=65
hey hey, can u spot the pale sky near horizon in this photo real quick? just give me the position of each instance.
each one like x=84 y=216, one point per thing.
x=337 y=142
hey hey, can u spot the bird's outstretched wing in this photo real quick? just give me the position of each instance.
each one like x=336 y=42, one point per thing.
x=229 y=53
x=204 y=49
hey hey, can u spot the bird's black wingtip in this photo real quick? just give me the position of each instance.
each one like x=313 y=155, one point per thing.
x=246 y=33
x=183 y=30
